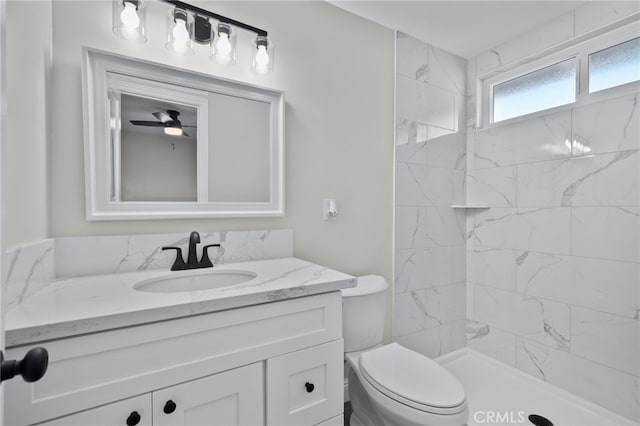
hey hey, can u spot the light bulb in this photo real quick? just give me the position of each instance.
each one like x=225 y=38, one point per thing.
x=173 y=131
x=180 y=35
x=262 y=60
x=129 y=16
x=223 y=48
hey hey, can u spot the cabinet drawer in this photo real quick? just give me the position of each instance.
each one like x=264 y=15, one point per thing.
x=231 y=398
x=118 y=413
x=305 y=387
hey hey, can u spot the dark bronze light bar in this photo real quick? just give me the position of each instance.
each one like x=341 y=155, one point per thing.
x=224 y=19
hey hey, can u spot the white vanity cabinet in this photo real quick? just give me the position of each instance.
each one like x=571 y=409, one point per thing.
x=277 y=363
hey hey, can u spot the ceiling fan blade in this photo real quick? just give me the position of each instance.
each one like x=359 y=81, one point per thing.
x=185 y=134
x=146 y=123
x=191 y=126
x=162 y=116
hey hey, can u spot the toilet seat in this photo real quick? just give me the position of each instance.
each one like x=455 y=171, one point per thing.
x=412 y=379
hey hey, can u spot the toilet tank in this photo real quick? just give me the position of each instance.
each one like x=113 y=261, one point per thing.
x=363 y=313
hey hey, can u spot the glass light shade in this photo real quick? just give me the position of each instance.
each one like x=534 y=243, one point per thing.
x=263 y=56
x=223 y=46
x=129 y=20
x=173 y=131
x=180 y=26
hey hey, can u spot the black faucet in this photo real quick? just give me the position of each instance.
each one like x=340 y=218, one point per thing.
x=192 y=256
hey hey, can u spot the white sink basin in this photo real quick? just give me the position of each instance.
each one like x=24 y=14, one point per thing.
x=194 y=282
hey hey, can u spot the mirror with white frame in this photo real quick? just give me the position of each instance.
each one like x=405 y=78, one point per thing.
x=167 y=143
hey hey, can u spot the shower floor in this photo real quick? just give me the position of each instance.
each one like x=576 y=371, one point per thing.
x=495 y=387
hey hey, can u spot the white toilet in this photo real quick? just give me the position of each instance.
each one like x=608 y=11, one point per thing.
x=392 y=385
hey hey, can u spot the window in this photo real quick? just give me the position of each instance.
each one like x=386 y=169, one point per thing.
x=615 y=66
x=607 y=63
x=545 y=88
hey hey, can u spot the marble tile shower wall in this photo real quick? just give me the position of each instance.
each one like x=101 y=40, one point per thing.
x=553 y=279
x=430 y=163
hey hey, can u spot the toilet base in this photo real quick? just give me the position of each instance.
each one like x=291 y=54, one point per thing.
x=354 y=420
x=363 y=413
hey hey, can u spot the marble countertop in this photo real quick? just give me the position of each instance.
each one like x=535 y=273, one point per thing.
x=88 y=304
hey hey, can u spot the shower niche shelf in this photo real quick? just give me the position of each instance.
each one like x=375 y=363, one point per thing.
x=470 y=206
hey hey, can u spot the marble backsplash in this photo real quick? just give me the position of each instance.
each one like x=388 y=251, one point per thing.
x=31 y=267
x=128 y=253
x=27 y=269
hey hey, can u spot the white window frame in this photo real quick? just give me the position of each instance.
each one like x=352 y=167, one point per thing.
x=578 y=50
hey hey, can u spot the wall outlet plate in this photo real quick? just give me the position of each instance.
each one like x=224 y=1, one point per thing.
x=329 y=209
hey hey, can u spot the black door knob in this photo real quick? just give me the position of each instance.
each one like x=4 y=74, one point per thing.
x=133 y=419
x=169 y=407
x=31 y=368
x=310 y=387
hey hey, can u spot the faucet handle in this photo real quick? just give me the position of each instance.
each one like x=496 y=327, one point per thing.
x=205 y=261
x=178 y=264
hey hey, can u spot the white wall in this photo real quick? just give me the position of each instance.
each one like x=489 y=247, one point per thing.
x=28 y=58
x=553 y=265
x=157 y=167
x=337 y=73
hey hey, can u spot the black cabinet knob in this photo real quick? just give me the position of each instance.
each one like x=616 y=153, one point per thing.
x=133 y=419
x=310 y=387
x=169 y=407
x=31 y=368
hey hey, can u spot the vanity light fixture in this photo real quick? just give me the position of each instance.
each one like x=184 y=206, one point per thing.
x=187 y=24
x=129 y=19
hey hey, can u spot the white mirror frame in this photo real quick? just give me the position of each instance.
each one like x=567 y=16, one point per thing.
x=96 y=70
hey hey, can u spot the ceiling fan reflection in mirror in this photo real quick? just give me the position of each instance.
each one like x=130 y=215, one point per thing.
x=169 y=121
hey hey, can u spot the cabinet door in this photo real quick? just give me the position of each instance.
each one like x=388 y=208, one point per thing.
x=130 y=412
x=232 y=398
x=305 y=387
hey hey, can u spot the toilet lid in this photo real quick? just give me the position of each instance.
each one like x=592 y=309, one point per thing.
x=398 y=371
x=367 y=284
